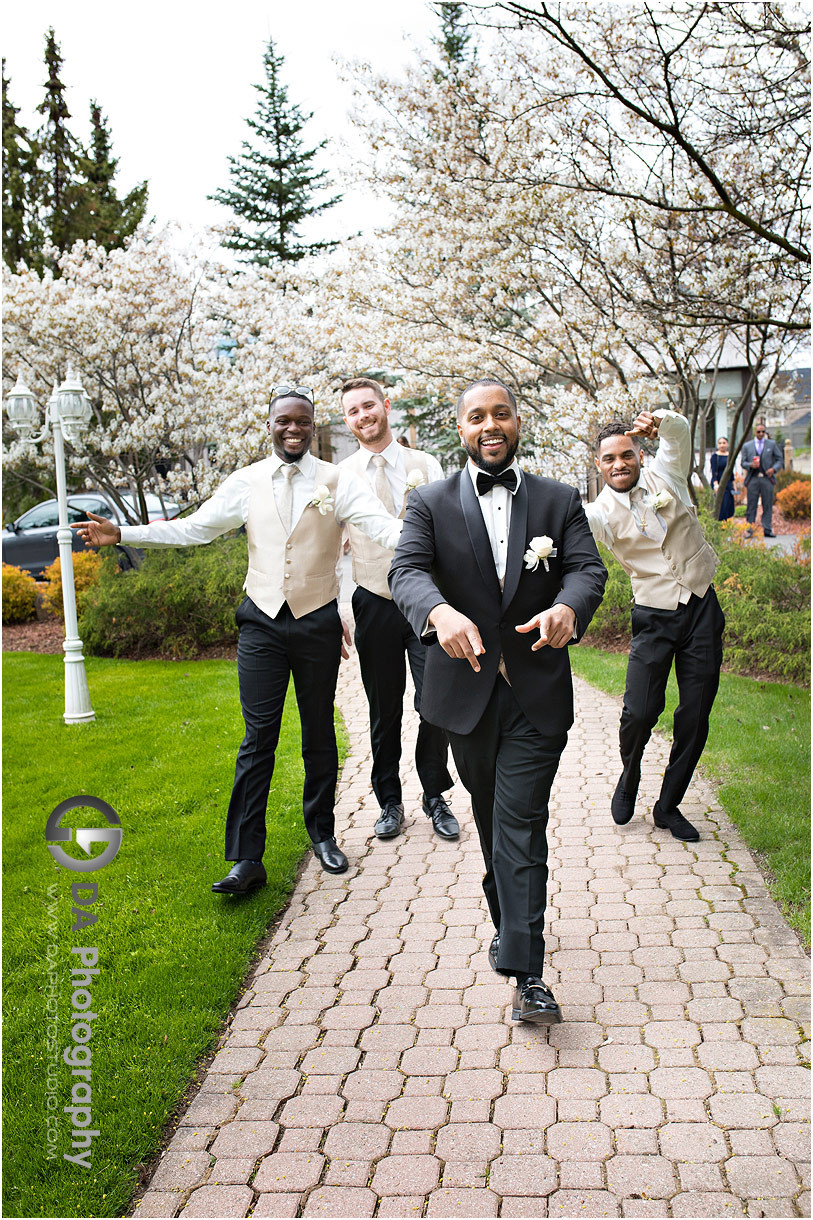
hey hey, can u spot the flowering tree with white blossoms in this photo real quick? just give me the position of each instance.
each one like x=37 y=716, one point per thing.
x=500 y=262
x=177 y=356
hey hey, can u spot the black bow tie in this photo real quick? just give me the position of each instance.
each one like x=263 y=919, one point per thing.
x=485 y=482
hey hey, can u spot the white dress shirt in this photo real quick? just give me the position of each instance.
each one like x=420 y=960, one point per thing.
x=398 y=468
x=495 y=505
x=228 y=509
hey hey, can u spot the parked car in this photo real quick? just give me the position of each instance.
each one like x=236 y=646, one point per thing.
x=30 y=542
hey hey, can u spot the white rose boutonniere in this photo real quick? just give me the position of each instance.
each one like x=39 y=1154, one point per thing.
x=322 y=499
x=415 y=479
x=539 y=551
x=660 y=500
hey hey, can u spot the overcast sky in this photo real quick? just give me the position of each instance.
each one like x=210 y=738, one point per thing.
x=175 y=80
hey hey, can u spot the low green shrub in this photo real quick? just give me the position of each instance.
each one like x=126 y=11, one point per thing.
x=765 y=596
x=612 y=619
x=86 y=568
x=19 y=595
x=179 y=601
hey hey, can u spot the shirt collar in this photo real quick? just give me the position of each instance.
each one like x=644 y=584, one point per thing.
x=305 y=464
x=390 y=454
x=474 y=470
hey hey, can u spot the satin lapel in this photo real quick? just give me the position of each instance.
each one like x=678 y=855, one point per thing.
x=478 y=534
x=517 y=535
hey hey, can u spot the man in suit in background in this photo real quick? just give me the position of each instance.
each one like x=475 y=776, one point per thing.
x=383 y=637
x=293 y=507
x=497 y=572
x=645 y=516
x=760 y=459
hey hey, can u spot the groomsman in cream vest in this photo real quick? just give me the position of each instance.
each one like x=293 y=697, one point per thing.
x=384 y=639
x=294 y=508
x=645 y=516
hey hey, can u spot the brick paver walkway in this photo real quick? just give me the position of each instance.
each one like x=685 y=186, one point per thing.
x=373 y=1068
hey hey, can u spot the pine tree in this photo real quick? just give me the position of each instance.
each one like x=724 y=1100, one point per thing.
x=22 y=235
x=273 y=180
x=454 y=36
x=60 y=152
x=101 y=215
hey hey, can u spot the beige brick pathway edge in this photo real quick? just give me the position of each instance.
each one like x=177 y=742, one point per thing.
x=372 y=1067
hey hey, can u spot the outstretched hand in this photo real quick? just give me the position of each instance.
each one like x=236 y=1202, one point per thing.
x=457 y=635
x=645 y=425
x=98 y=531
x=555 y=627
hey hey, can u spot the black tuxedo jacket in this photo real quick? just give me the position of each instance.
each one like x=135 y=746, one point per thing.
x=444 y=555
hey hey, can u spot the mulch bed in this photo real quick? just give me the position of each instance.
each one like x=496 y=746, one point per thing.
x=47 y=636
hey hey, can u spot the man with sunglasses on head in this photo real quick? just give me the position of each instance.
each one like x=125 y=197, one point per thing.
x=293 y=507
x=760 y=459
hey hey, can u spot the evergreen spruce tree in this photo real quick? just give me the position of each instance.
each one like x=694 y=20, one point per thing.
x=273 y=181
x=101 y=215
x=454 y=35
x=434 y=418
x=22 y=235
x=60 y=152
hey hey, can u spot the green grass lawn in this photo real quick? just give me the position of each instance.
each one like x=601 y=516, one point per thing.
x=758 y=752
x=171 y=954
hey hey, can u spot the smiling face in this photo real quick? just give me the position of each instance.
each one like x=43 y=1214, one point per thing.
x=489 y=427
x=619 y=460
x=368 y=417
x=290 y=424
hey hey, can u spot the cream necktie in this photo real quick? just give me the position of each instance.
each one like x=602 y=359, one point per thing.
x=285 y=499
x=382 y=484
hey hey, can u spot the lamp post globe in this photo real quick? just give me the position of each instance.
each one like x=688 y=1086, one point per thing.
x=22 y=409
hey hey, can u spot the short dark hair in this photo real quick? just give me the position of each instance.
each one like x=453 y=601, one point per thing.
x=486 y=381
x=363 y=383
x=276 y=398
x=616 y=427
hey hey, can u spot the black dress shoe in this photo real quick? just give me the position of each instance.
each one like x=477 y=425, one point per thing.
x=443 y=820
x=768 y=534
x=243 y=877
x=331 y=857
x=622 y=806
x=674 y=821
x=534 y=1001
x=391 y=820
x=493 y=950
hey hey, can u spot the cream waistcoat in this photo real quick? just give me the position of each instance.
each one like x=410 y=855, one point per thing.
x=371 y=562
x=299 y=568
x=658 y=568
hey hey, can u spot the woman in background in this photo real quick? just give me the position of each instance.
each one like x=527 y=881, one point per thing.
x=719 y=461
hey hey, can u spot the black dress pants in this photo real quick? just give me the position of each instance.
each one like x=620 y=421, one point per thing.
x=691 y=635
x=269 y=652
x=384 y=640
x=508 y=767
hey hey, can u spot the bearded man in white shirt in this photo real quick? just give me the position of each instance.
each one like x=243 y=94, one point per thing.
x=645 y=516
x=294 y=507
x=383 y=637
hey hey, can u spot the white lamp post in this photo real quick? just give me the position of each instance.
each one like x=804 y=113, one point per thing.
x=66 y=415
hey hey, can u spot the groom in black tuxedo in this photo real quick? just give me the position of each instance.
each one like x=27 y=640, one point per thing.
x=497 y=572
